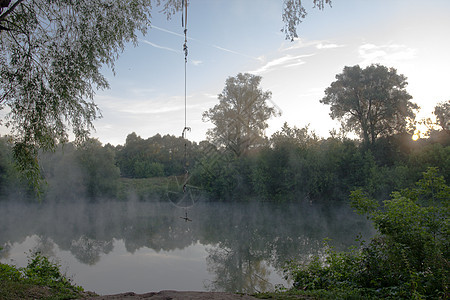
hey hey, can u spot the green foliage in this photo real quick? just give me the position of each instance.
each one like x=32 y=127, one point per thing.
x=99 y=172
x=365 y=204
x=85 y=171
x=25 y=157
x=41 y=271
x=10 y=179
x=293 y=14
x=298 y=166
x=430 y=155
x=146 y=169
x=312 y=169
x=145 y=189
x=9 y=273
x=330 y=270
x=219 y=176
x=41 y=278
x=155 y=156
x=409 y=258
x=414 y=228
x=442 y=113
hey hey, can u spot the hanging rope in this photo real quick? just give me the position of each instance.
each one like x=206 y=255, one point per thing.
x=186 y=197
x=185 y=129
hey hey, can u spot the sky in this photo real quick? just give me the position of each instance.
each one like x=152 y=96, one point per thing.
x=227 y=37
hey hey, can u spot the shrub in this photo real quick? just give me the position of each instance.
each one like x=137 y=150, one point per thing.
x=407 y=259
x=40 y=278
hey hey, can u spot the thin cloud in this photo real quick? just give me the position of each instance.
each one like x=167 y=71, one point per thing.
x=196 y=62
x=328 y=46
x=209 y=95
x=300 y=44
x=296 y=64
x=297 y=44
x=282 y=62
x=389 y=54
x=160 y=47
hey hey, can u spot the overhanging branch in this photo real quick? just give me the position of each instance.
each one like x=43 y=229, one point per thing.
x=9 y=10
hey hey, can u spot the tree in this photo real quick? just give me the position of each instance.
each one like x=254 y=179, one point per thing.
x=301 y=137
x=50 y=66
x=293 y=14
x=241 y=116
x=372 y=102
x=99 y=172
x=442 y=113
x=155 y=156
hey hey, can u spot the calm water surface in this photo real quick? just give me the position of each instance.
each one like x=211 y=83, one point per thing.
x=116 y=247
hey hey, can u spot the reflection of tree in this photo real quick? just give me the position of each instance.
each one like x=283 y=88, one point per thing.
x=248 y=237
x=88 y=250
x=44 y=245
x=4 y=250
x=237 y=270
x=242 y=247
x=244 y=239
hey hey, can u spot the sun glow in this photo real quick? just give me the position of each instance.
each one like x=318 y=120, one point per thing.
x=420 y=132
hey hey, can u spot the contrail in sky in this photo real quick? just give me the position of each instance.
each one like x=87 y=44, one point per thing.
x=160 y=47
x=168 y=31
x=213 y=46
x=234 y=52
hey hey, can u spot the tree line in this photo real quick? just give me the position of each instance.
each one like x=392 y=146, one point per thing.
x=238 y=161
x=294 y=165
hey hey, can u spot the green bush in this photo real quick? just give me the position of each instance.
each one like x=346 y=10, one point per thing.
x=407 y=259
x=41 y=277
x=330 y=270
x=41 y=271
x=9 y=273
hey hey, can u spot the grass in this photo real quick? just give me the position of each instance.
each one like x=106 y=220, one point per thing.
x=142 y=188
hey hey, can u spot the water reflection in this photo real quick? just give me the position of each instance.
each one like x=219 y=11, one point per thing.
x=245 y=243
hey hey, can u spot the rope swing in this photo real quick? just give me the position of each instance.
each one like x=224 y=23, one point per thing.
x=185 y=49
x=179 y=192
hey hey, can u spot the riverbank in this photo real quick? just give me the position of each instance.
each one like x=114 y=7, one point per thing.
x=191 y=295
x=175 y=295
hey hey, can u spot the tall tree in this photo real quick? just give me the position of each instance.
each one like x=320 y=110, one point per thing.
x=241 y=116
x=372 y=102
x=51 y=57
x=442 y=113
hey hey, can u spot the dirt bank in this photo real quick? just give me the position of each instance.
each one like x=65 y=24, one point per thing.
x=175 y=295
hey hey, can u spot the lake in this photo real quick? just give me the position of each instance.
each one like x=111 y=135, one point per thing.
x=115 y=247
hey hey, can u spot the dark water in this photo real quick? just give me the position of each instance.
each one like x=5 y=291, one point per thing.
x=117 y=247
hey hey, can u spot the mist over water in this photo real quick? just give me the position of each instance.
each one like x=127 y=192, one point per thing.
x=113 y=246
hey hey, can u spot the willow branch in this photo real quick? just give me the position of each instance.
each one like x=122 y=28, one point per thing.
x=10 y=10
